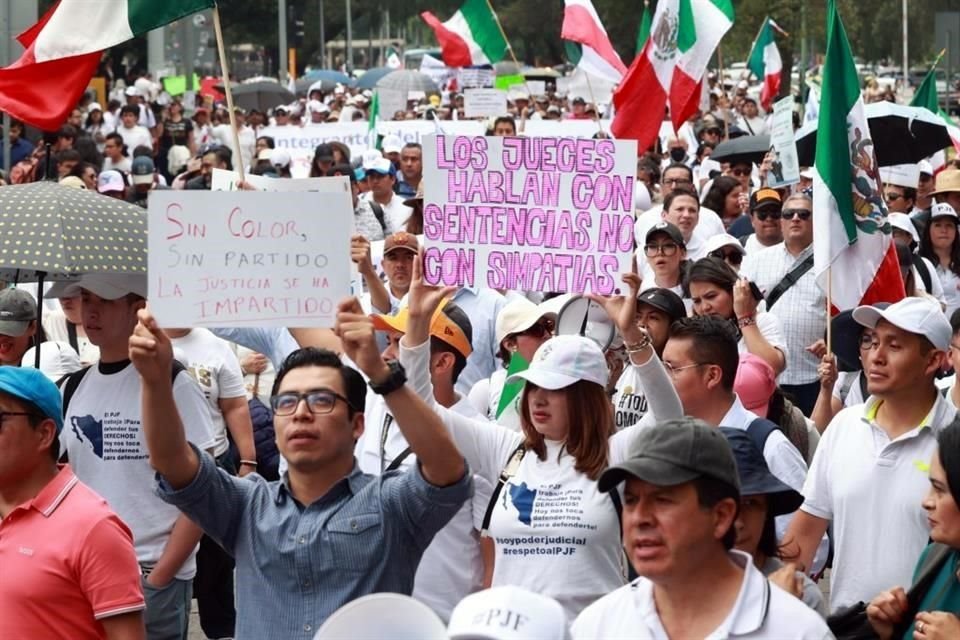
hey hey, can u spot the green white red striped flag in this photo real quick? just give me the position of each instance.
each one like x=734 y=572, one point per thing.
x=764 y=61
x=926 y=96
x=851 y=232
x=472 y=36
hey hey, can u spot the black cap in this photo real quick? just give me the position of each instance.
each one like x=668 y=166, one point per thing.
x=765 y=197
x=674 y=452
x=664 y=300
x=668 y=228
x=323 y=152
x=579 y=100
x=755 y=476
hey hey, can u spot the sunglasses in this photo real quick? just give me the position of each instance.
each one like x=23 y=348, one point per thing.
x=893 y=197
x=788 y=214
x=740 y=172
x=733 y=257
x=763 y=214
x=543 y=328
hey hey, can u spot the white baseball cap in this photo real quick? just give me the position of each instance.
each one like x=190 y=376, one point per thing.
x=315 y=106
x=280 y=157
x=903 y=222
x=941 y=209
x=507 y=613
x=392 y=144
x=922 y=316
x=723 y=240
x=94 y=106
x=925 y=167
x=110 y=180
x=517 y=316
x=563 y=360
x=383 y=615
x=382 y=166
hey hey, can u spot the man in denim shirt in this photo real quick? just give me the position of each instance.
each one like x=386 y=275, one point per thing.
x=326 y=534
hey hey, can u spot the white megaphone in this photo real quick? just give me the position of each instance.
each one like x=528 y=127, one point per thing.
x=583 y=317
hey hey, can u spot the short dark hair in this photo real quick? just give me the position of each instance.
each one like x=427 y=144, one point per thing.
x=142 y=151
x=130 y=108
x=67 y=131
x=224 y=156
x=413 y=145
x=713 y=270
x=679 y=192
x=69 y=155
x=458 y=317
x=505 y=120
x=678 y=165
x=116 y=137
x=271 y=143
x=355 y=389
x=710 y=492
x=713 y=341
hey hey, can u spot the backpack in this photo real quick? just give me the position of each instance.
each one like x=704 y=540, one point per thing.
x=264 y=440
x=69 y=382
x=759 y=430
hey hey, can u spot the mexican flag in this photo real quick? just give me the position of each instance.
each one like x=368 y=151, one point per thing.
x=393 y=58
x=701 y=26
x=63 y=51
x=581 y=25
x=471 y=37
x=765 y=63
x=851 y=232
x=671 y=66
x=926 y=96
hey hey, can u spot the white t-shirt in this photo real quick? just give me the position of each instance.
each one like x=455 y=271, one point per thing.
x=871 y=488
x=951 y=288
x=554 y=532
x=135 y=136
x=761 y=610
x=211 y=362
x=629 y=400
x=103 y=439
x=452 y=566
x=771 y=329
x=395 y=213
x=123 y=166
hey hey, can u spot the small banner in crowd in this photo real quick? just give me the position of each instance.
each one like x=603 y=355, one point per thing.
x=484 y=103
x=238 y=259
x=531 y=214
x=785 y=169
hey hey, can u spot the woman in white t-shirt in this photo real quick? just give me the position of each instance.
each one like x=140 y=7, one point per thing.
x=716 y=290
x=554 y=531
x=940 y=244
x=521 y=328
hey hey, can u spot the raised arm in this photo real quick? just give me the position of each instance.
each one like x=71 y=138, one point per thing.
x=360 y=254
x=152 y=355
x=440 y=461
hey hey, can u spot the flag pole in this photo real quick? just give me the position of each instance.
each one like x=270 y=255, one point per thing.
x=593 y=101
x=225 y=71
x=829 y=307
x=723 y=88
x=513 y=56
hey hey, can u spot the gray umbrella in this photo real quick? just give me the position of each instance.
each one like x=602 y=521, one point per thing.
x=371 y=77
x=260 y=95
x=406 y=81
x=55 y=232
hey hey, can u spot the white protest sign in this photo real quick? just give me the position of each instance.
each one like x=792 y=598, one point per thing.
x=537 y=87
x=530 y=214
x=477 y=78
x=223 y=180
x=484 y=103
x=565 y=128
x=785 y=168
x=247 y=258
x=391 y=101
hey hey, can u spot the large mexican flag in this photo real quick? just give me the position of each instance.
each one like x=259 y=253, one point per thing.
x=63 y=51
x=852 y=241
x=472 y=36
x=765 y=63
x=926 y=96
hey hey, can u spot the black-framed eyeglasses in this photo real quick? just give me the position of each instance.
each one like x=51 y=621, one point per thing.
x=677 y=182
x=319 y=402
x=803 y=214
x=868 y=341
x=4 y=414
x=733 y=257
x=667 y=248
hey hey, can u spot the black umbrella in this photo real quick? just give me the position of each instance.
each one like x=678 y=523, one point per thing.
x=742 y=149
x=900 y=134
x=261 y=95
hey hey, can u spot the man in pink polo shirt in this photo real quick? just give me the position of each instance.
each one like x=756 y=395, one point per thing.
x=67 y=564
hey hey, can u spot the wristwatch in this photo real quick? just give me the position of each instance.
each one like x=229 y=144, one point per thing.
x=396 y=379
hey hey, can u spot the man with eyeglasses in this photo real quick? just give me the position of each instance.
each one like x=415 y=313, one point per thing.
x=326 y=533
x=765 y=205
x=709 y=224
x=785 y=275
x=869 y=476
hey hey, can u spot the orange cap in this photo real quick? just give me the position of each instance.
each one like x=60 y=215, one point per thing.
x=441 y=327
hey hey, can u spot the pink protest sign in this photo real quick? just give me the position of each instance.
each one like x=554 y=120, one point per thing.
x=530 y=214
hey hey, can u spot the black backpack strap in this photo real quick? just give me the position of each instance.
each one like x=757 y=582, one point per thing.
x=393 y=466
x=378 y=212
x=72 y=336
x=924 y=272
x=759 y=430
x=617 y=505
x=863 y=386
x=508 y=472
x=789 y=280
x=69 y=384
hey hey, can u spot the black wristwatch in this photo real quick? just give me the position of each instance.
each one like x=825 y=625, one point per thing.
x=396 y=379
